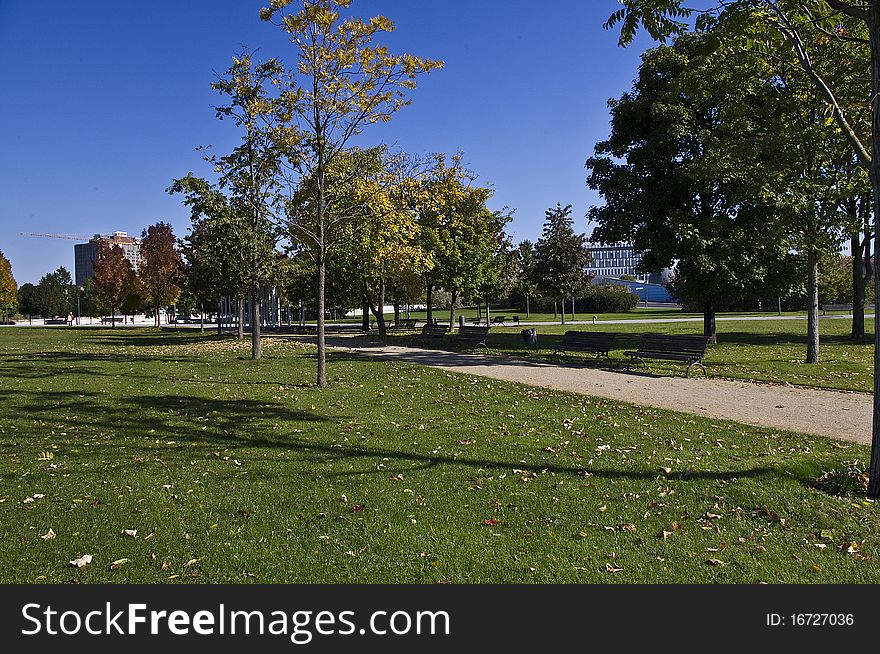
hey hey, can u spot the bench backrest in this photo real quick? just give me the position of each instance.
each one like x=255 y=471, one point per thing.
x=599 y=341
x=674 y=343
x=473 y=331
x=408 y=323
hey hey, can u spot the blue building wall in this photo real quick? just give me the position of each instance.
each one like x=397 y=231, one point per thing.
x=646 y=292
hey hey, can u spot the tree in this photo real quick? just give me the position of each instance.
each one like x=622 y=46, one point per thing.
x=161 y=267
x=8 y=287
x=52 y=295
x=561 y=257
x=525 y=275
x=27 y=300
x=342 y=82
x=852 y=21
x=221 y=246
x=248 y=178
x=684 y=176
x=458 y=230
x=89 y=301
x=113 y=278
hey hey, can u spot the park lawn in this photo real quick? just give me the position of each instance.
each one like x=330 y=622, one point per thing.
x=237 y=471
x=765 y=351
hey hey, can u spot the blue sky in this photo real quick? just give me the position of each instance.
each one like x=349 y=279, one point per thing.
x=105 y=102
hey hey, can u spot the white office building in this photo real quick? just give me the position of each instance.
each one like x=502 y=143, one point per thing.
x=614 y=260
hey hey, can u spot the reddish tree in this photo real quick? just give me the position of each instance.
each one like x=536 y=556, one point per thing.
x=161 y=269
x=113 y=276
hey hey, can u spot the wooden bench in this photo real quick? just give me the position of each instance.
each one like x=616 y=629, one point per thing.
x=836 y=307
x=473 y=335
x=500 y=320
x=405 y=325
x=598 y=343
x=433 y=330
x=687 y=349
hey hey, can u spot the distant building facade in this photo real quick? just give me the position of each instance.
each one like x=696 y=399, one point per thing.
x=614 y=260
x=85 y=253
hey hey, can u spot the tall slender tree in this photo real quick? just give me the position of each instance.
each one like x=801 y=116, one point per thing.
x=342 y=82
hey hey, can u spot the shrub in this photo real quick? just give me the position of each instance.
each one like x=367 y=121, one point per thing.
x=606 y=299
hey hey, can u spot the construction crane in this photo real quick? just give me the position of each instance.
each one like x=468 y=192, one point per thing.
x=69 y=237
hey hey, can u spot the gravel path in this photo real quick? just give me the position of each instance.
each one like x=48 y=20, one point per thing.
x=845 y=416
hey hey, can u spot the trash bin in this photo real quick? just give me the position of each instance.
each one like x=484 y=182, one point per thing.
x=530 y=338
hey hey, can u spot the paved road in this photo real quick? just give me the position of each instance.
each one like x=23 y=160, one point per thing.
x=845 y=416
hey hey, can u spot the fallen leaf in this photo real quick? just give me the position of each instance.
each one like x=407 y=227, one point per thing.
x=82 y=561
x=716 y=562
x=118 y=563
x=130 y=532
x=49 y=535
x=492 y=522
x=357 y=508
x=610 y=567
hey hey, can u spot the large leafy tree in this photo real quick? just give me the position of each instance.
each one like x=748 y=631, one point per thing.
x=27 y=300
x=8 y=287
x=161 y=269
x=114 y=277
x=52 y=295
x=793 y=28
x=458 y=230
x=561 y=257
x=343 y=81
x=685 y=171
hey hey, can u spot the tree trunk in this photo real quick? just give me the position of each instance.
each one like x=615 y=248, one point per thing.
x=202 y=319
x=365 y=315
x=113 y=317
x=429 y=293
x=859 y=282
x=812 y=306
x=322 y=348
x=379 y=312
x=527 y=306
x=562 y=310
x=573 y=317
x=256 y=340
x=452 y=309
x=488 y=315
x=709 y=327
x=241 y=318
x=396 y=312
x=219 y=318
x=555 y=307
x=873 y=12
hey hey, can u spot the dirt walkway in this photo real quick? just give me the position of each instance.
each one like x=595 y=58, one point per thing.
x=846 y=416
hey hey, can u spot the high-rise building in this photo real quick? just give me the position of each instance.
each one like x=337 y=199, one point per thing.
x=85 y=253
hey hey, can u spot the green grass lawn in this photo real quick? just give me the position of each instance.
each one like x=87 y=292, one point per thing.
x=236 y=471
x=766 y=351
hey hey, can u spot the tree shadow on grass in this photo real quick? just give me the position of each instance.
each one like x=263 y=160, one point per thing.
x=154 y=338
